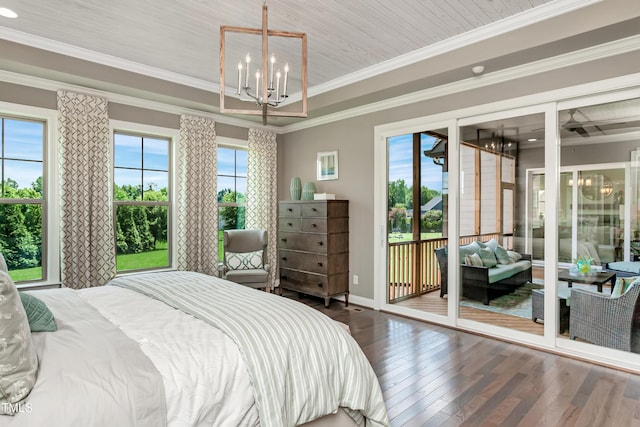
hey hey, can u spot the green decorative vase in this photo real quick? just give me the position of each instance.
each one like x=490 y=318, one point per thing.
x=308 y=191
x=296 y=188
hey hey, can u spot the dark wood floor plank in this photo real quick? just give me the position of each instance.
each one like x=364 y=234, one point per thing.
x=435 y=376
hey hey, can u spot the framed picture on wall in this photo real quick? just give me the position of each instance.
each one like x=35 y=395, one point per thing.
x=327 y=165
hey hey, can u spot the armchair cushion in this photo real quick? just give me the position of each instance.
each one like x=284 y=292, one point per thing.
x=243 y=260
x=248 y=276
x=622 y=286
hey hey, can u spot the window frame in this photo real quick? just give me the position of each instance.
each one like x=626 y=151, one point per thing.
x=154 y=132
x=50 y=255
x=237 y=145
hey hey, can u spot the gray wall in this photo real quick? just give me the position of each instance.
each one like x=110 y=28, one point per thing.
x=353 y=138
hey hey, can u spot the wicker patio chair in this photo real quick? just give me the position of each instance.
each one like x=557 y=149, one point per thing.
x=603 y=320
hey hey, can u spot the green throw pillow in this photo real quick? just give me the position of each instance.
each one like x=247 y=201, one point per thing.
x=488 y=257
x=243 y=260
x=502 y=256
x=38 y=314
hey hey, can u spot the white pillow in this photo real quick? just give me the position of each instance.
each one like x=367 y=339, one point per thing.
x=515 y=256
x=18 y=360
x=473 y=259
x=243 y=260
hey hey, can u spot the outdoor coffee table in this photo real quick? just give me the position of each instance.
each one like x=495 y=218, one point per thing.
x=598 y=279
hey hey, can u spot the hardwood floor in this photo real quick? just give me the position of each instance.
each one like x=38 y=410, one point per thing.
x=432 y=303
x=435 y=376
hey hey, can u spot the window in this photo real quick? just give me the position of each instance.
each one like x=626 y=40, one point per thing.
x=232 y=190
x=21 y=198
x=141 y=201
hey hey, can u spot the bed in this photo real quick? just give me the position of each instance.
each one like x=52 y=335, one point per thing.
x=129 y=354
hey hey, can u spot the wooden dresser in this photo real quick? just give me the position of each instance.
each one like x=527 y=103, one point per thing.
x=313 y=247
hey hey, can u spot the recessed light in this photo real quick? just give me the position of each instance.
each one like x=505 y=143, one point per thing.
x=7 y=13
x=478 y=69
x=532 y=139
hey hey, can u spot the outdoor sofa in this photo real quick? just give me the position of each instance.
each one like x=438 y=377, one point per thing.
x=486 y=282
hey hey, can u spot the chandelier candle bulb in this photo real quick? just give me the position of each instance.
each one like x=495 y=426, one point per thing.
x=239 y=78
x=286 y=76
x=278 y=75
x=246 y=79
x=273 y=63
x=257 y=82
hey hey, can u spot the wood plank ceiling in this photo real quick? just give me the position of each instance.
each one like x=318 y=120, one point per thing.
x=182 y=36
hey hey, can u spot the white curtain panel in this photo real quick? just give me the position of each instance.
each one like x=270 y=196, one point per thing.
x=86 y=204
x=197 y=244
x=262 y=191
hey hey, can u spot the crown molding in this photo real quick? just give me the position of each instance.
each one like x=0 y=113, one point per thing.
x=53 y=85
x=622 y=46
x=605 y=50
x=512 y=23
x=104 y=59
x=528 y=17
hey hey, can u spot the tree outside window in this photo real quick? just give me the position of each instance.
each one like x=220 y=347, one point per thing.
x=21 y=197
x=141 y=201
x=232 y=190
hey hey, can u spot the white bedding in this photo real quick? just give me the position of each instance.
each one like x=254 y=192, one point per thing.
x=203 y=385
x=122 y=358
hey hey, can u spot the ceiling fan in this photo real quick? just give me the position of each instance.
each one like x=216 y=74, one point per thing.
x=572 y=125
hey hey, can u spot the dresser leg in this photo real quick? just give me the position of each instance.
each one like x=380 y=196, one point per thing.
x=327 y=301
x=346 y=299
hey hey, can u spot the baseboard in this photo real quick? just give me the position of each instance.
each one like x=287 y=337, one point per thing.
x=355 y=299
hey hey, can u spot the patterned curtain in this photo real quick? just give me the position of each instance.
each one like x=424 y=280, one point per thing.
x=88 y=243
x=262 y=191
x=197 y=244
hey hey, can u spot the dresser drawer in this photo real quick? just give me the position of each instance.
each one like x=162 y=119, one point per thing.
x=315 y=284
x=291 y=210
x=314 y=209
x=289 y=224
x=314 y=263
x=303 y=242
x=324 y=225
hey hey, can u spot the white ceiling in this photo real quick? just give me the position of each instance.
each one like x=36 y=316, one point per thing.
x=359 y=52
x=182 y=36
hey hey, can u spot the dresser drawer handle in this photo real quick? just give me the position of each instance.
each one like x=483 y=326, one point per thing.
x=314 y=225
x=320 y=264
x=284 y=258
x=290 y=224
x=283 y=277
x=290 y=210
x=284 y=239
x=314 y=209
x=319 y=285
x=320 y=243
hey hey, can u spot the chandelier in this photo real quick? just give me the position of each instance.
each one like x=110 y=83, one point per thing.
x=264 y=86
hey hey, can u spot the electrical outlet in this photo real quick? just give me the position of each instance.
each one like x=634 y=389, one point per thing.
x=355 y=279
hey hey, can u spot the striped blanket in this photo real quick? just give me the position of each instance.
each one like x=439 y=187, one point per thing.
x=301 y=364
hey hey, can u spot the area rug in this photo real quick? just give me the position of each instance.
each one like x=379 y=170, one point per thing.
x=517 y=303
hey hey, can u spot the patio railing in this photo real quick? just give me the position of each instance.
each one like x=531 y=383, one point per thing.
x=413 y=268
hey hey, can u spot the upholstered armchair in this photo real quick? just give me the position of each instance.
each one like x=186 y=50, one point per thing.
x=245 y=258
x=603 y=320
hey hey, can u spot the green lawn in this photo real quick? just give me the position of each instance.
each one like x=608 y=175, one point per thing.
x=34 y=273
x=404 y=237
x=156 y=258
